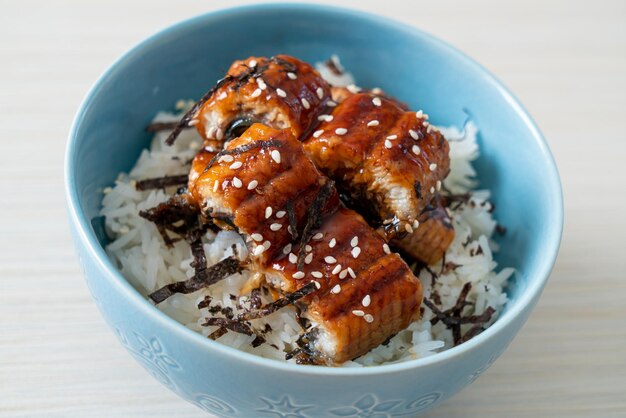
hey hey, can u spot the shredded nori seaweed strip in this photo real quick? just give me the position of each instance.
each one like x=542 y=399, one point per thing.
x=270 y=308
x=244 y=148
x=191 y=113
x=168 y=214
x=332 y=66
x=161 y=182
x=255 y=299
x=239 y=80
x=230 y=324
x=205 y=303
x=200 y=280
x=217 y=333
x=163 y=126
x=313 y=218
x=258 y=340
x=453 y=319
x=293 y=223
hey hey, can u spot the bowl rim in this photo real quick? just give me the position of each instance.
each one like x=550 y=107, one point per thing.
x=88 y=240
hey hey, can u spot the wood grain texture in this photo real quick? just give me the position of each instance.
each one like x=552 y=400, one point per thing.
x=566 y=61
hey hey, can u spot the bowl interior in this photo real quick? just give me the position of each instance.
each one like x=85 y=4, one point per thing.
x=185 y=60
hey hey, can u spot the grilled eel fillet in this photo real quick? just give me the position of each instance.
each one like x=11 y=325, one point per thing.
x=392 y=160
x=266 y=187
x=280 y=91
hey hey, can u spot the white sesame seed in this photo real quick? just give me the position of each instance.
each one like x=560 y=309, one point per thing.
x=308 y=248
x=305 y=103
x=298 y=275
x=292 y=76
x=225 y=184
x=416 y=150
x=387 y=144
x=236 y=165
x=386 y=249
x=330 y=103
x=320 y=93
x=354 y=241
x=356 y=251
x=287 y=249
x=343 y=274
x=325 y=118
x=308 y=258
x=438 y=185
x=368 y=318
x=332 y=243
x=222 y=96
x=432 y=189
x=318 y=133
x=256 y=93
x=425 y=123
x=252 y=185
x=353 y=88
x=275 y=227
x=261 y=83
x=318 y=236
x=416 y=224
x=430 y=129
x=258 y=250
x=252 y=64
x=210 y=131
x=351 y=272
x=317 y=274
x=226 y=158
x=376 y=101
x=373 y=123
x=281 y=92
x=377 y=90
x=392 y=137
x=237 y=183
x=215 y=186
x=413 y=134
x=275 y=156
x=293 y=259
x=317 y=284
x=257 y=237
x=408 y=228
x=268 y=212
x=193 y=122
x=341 y=131
x=329 y=259
x=366 y=301
x=219 y=134
x=336 y=289
x=267 y=244
x=432 y=167
x=419 y=114
x=337 y=269
x=358 y=312
x=280 y=214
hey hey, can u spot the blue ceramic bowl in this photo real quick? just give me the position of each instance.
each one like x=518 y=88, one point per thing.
x=184 y=61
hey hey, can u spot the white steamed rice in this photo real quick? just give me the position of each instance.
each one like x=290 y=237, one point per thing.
x=141 y=256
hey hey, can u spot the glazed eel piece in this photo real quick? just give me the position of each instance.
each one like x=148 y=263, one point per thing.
x=391 y=163
x=280 y=91
x=264 y=186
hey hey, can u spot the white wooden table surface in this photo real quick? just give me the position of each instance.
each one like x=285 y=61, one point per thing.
x=566 y=61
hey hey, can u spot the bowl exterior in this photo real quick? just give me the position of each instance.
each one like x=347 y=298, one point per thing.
x=226 y=387
x=107 y=138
